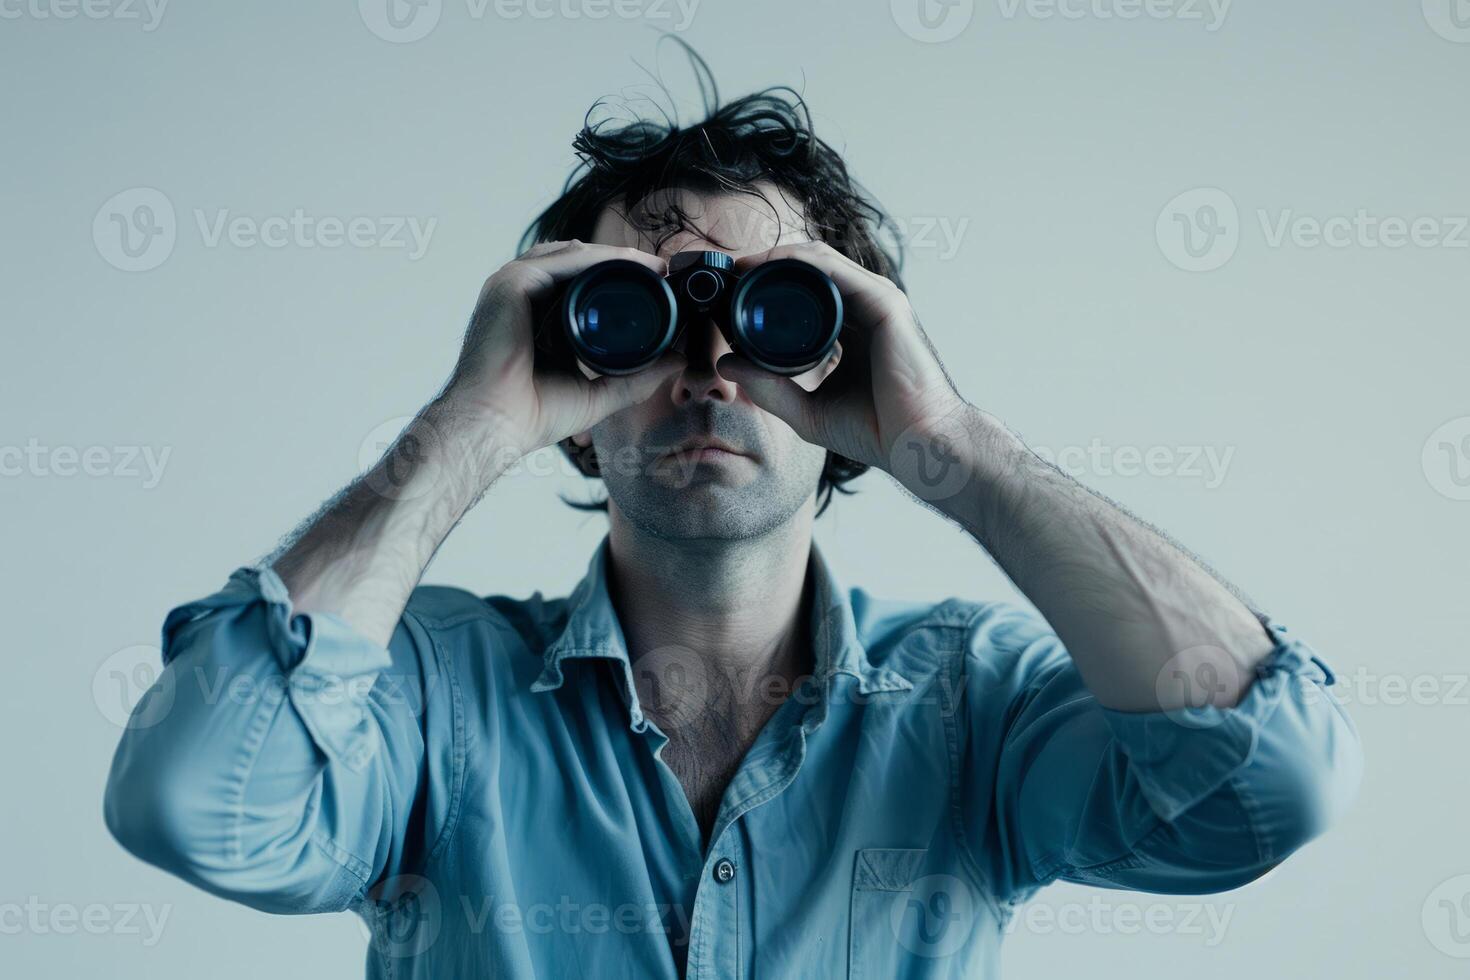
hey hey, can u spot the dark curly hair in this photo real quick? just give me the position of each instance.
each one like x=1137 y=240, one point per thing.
x=766 y=136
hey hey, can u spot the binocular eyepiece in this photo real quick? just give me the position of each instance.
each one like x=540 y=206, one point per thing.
x=618 y=316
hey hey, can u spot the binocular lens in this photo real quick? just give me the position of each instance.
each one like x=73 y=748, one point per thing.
x=619 y=316
x=786 y=315
x=783 y=315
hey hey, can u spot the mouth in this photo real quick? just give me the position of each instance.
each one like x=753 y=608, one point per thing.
x=705 y=451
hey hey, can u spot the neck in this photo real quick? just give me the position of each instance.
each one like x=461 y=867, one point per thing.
x=738 y=605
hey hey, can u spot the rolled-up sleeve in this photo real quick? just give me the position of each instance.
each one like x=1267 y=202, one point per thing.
x=1195 y=801
x=279 y=759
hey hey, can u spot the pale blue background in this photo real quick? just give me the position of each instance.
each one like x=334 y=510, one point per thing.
x=1059 y=141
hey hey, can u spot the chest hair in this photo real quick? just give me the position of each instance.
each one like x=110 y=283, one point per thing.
x=705 y=748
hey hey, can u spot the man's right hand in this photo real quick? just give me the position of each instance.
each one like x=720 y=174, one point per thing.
x=362 y=554
x=496 y=384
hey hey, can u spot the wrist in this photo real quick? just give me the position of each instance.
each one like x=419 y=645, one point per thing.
x=1010 y=488
x=957 y=459
x=462 y=408
x=447 y=452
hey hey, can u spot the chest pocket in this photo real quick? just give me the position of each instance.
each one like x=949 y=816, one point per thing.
x=904 y=922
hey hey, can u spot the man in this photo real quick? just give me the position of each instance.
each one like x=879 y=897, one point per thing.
x=712 y=760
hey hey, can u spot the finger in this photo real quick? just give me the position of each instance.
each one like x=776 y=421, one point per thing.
x=782 y=397
x=606 y=394
x=846 y=272
x=542 y=248
x=868 y=297
x=543 y=271
x=613 y=393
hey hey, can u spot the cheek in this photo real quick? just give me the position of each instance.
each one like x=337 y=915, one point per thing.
x=791 y=453
x=612 y=432
x=621 y=431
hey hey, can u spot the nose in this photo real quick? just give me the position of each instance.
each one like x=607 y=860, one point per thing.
x=702 y=344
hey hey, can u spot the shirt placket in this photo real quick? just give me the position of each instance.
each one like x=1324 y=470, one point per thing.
x=717 y=926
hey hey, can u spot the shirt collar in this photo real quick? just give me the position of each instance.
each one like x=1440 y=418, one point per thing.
x=593 y=630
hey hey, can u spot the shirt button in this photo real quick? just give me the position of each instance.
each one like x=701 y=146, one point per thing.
x=724 y=870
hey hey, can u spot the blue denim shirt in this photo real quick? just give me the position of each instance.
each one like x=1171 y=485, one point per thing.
x=487 y=793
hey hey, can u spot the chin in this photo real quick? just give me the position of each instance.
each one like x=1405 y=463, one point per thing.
x=705 y=511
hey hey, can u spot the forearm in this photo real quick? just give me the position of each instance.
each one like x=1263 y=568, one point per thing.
x=362 y=555
x=1147 y=626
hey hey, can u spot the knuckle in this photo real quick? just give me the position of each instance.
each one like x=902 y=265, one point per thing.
x=514 y=278
x=752 y=259
x=508 y=273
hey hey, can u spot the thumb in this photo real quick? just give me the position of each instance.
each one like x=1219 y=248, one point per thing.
x=782 y=397
x=613 y=393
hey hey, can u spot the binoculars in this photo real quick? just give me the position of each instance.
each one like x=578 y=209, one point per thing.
x=618 y=317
